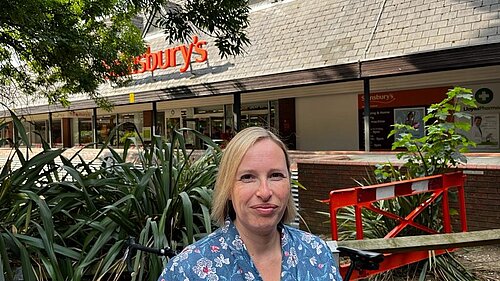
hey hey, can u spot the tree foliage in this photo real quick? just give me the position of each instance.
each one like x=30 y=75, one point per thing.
x=443 y=145
x=56 y=48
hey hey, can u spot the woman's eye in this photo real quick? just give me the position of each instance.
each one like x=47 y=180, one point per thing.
x=277 y=176
x=247 y=178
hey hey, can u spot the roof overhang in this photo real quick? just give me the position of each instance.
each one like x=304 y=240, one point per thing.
x=424 y=62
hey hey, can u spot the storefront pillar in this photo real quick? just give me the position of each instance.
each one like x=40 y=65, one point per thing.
x=237 y=111
x=49 y=129
x=366 y=115
x=154 y=119
x=94 y=126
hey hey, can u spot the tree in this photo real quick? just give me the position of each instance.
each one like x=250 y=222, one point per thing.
x=443 y=145
x=56 y=48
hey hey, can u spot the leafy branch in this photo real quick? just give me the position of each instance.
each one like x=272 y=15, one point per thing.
x=442 y=146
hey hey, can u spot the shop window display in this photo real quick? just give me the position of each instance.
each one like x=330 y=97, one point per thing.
x=129 y=124
x=84 y=131
x=39 y=132
x=104 y=126
x=57 y=133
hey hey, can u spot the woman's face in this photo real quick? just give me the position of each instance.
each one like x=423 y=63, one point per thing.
x=262 y=188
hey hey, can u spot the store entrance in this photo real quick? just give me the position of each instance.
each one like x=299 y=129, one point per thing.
x=255 y=119
x=208 y=126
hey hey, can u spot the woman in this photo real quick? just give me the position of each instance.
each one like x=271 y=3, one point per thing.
x=252 y=201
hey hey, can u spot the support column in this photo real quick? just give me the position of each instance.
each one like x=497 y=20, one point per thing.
x=49 y=129
x=117 y=134
x=237 y=111
x=94 y=126
x=366 y=114
x=154 y=121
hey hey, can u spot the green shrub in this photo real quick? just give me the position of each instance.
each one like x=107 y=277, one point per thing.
x=67 y=219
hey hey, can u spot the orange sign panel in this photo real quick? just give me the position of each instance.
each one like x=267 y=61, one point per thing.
x=163 y=59
x=404 y=98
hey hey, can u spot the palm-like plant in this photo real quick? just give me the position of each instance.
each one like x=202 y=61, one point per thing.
x=67 y=219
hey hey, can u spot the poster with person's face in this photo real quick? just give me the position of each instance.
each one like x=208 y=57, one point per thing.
x=412 y=117
x=484 y=131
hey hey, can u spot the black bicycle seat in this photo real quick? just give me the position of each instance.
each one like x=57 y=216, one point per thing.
x=362 y=259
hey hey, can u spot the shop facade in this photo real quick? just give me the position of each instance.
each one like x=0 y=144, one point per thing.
x=309 y=77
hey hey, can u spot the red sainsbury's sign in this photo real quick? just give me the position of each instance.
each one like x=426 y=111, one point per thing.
x=166 y=58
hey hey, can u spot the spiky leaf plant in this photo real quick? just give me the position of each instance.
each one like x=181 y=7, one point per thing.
x=68 y=219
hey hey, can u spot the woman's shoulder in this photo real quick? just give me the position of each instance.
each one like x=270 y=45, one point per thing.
x=309 y=255
x=308 y=242
x=202 y=253
x=206 y=245
x=296 y=233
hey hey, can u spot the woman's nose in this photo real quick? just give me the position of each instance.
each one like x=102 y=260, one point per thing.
x=264 y=192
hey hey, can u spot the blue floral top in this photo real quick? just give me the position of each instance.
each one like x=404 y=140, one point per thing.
x=222 y=256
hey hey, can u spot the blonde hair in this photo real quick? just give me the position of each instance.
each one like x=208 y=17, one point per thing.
x=226 y=177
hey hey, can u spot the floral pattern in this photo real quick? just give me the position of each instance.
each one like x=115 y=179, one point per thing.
x=222 y=255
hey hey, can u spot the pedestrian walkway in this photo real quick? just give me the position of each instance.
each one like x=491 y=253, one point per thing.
x=474 y=160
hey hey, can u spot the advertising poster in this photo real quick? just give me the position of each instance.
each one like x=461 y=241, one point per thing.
x=484 y=130
x=387 y=108
x=380 y=127
x=412 y=117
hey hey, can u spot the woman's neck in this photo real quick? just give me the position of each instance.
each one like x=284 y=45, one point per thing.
x=259 y=242
x=265 y=252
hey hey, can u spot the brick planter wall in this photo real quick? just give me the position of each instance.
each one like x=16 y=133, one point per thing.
x=482 y=199
x=482 y=191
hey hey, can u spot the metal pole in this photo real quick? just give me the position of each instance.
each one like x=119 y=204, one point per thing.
x=237 y=111
x=153 y=125
x=366 y=114
x=49 y=129
x=94 y=125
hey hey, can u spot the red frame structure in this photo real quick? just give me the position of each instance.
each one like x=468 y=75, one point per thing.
x=364 y=197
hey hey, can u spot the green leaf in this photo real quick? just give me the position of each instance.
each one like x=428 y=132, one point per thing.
x=20 y=131
x=45 y=214
x=4 y=262
x=27 y=269
x=38 y=243
x=188 y=215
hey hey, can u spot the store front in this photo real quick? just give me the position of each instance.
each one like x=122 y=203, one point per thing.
x=305 y=83
x=214 y=121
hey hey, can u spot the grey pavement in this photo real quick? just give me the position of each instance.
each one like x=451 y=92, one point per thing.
x=474 y=160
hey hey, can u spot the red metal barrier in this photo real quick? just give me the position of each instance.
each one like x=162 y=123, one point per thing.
x=364 y=197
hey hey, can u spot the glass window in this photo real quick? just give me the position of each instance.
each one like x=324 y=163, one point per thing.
x=255 y=114
x=172 y=124
x=57 y=133
x=160 y=124
x=105 y=124
x=128 y=125
x=39 y=132
x=84 y=131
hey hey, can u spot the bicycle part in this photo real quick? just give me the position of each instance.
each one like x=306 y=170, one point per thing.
x=360 y=260
x=132 y=248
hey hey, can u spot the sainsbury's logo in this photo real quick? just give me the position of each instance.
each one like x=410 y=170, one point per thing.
x=380 y=98
x=166 y=58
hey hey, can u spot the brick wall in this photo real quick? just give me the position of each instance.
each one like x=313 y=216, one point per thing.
x=482 y=199
x=482 y=191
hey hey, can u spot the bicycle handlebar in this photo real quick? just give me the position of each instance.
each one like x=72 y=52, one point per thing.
x=132 y=248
